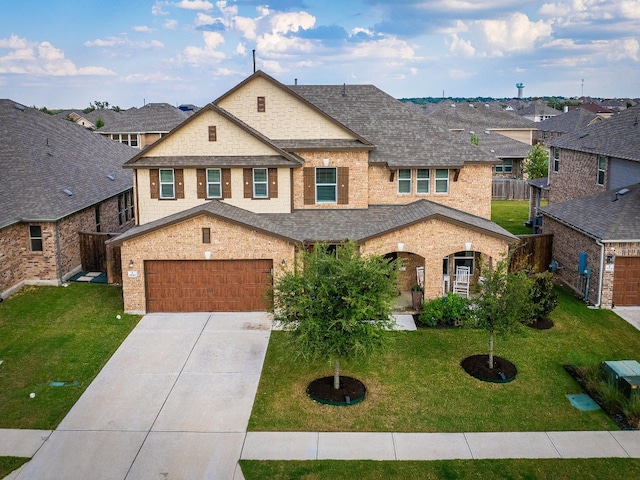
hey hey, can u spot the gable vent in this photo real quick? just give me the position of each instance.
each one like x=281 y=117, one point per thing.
x=67 y=191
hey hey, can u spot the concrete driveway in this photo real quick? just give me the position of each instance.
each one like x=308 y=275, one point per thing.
x=173 y=402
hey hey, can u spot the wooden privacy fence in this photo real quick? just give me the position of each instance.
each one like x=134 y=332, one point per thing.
x=96 y=257
x=533 y=251
x=509 y=189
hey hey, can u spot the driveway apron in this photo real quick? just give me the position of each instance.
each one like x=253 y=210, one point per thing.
x=173 y=402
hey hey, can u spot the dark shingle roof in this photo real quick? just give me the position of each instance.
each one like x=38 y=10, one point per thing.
x=602 y=216
x=403 y=137
x=501 y=146
x=152 y=118
x=40 y=155
x=571 y=121
x=328 y=225
x=478 y=117
x=618 y=136
x=537 y=108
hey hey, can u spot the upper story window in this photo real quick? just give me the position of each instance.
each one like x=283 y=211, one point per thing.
x=326 y=185
x=422 y=180
x=404 y=180
x=260 y=183
x=442 y=180
x=167 y=184
x=35 y=238
x=262 y=104
x=556 y=158
x=602 y=164
x=214 y=183
x=130 y=139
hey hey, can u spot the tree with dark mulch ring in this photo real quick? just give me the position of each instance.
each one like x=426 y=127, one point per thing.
x=336 y=304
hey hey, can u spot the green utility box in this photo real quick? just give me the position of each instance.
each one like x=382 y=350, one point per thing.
x=614 y=371
x=631 y=387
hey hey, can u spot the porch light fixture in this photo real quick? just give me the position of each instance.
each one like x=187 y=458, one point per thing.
x=610 y=258
x=207 y=255
x=283 y=262
x=400 y=247
x=325 y=162
x=467 y=247
x=130 y=263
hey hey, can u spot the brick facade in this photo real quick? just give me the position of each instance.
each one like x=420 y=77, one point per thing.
x=576 y=176
x=60 y=255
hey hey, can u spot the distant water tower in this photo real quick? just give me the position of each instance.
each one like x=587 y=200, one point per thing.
x=520 y=87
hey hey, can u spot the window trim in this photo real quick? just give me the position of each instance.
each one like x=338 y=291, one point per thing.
x=404 y=181
x=334 y=184
x=264 y=182
x=601 y=171
x=35 y=238
x=425 y=181
x=209 y=183
x=556 y=159
x=440 y=180
x=161 y=183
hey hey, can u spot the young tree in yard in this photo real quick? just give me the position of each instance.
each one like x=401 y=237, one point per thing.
x=336 y=304
x=504 y=303
x=536 y=163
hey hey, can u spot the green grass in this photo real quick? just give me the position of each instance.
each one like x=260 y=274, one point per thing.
x=543 y=469
x=61 y=334
x=419 y=386
x=9 y=464
x=511 y=215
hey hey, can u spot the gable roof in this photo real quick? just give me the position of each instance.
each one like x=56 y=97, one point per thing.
x=280 y=157
x=152 y=118
x=41 y=155
x=538 y=108
x=403 y=136
x=568 y=122
x=618 y=136
x=478 y=117
x=309 y=226
x=500 y=145
x=608 y=216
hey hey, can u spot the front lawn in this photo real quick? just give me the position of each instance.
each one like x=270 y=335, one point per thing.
x=55 y=334
x=419 y=386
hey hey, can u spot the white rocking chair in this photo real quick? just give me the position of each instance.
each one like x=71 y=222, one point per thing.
x=420 y=276
x=461 y=283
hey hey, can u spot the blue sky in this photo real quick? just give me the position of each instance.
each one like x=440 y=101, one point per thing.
x=68 y=53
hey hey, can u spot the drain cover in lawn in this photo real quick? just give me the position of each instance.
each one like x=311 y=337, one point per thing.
x=583 y=402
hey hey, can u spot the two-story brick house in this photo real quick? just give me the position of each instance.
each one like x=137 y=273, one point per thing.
x=58 y=179
x=594 y=210
x=230 y=195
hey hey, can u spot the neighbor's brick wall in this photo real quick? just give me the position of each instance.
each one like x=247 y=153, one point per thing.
x=434 y=240
x=576 y=176
x=183 y=241
x=358 y=163
x=285 y=117
x=152 y=209
x=471 y=193
x=567 y=243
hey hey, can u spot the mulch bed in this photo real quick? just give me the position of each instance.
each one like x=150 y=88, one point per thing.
x=321 y=390
x=618 y=417
x=477 y=366
x=541 y=324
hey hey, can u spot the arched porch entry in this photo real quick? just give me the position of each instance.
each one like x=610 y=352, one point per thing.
x=472 y=259
x=408 y=271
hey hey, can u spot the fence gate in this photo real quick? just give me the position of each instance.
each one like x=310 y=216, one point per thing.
x=93 y=251
x=532 y=251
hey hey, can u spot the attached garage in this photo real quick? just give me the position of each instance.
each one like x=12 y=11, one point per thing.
x=207 y=285
x=626 y=281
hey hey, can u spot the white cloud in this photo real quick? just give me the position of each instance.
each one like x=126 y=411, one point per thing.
x=241 y=49
x=273 y=44
x=515 y=33
x=157 y=9
x=227 y=11
x=246 y=26
x=461 y=47
x=208 y=54
x=142 y=28
x=123 y=40
x=194 y=5
x=385 y=47
x=291 y=22
x=458 y=74
x=155 y=77
x=171 y=24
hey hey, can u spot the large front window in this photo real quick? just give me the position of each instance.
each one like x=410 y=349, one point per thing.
x=214 y=183
x=167 y=184
x=464 y=259
x=326 y=185
x=442 y=180
x=260 y=183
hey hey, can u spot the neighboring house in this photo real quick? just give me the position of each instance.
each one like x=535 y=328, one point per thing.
x=503 y=134
x=234 y=192
x=568 y=122
x=538 y=111
x=594 y=210
x=140 y=127
x=595 y=108
x=58 y=179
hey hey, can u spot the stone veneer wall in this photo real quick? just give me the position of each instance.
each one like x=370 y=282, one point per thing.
x=576 y=176
x=471 y=193
x=183 y=241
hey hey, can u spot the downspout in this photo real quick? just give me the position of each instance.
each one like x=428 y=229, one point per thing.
x=601 y=273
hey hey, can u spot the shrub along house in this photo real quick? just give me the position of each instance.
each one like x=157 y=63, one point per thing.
x=229 y=196
x=58 y=179
x=594 y=210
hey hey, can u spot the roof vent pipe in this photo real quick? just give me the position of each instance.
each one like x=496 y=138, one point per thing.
x=344 y=89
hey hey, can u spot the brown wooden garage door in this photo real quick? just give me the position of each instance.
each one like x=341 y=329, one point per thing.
x=626 y=281
x=207 y=285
